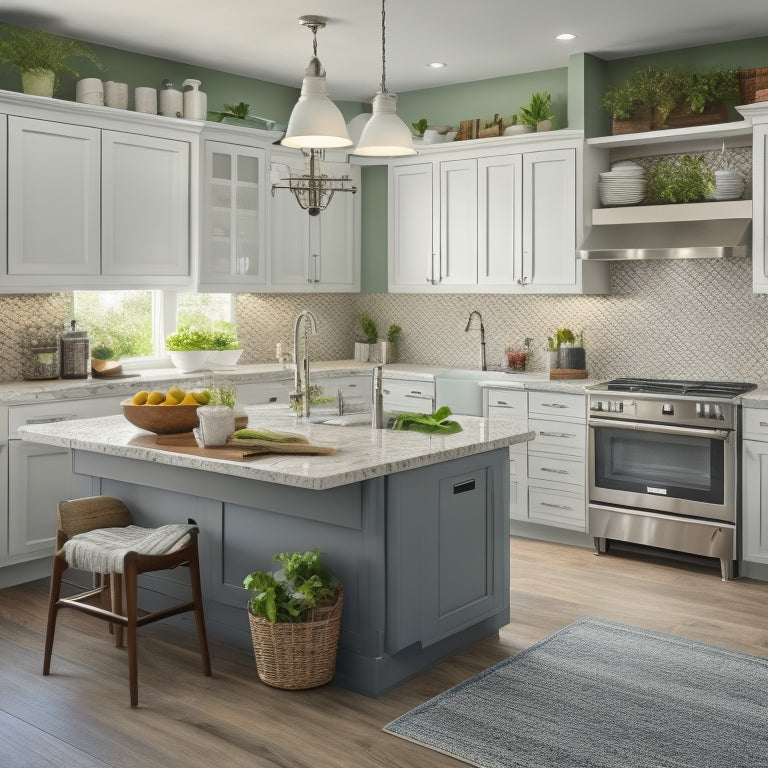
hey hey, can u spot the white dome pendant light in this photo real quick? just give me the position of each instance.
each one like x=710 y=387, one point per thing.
x=316 y=122
x=385 y=134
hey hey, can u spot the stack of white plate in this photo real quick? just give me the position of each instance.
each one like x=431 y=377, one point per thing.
x=624 y=184
x=729 y=185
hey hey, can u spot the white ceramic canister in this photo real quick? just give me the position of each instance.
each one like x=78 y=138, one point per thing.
x=145 y=100
x=195 y=101
x=171 y=101
x=116 y=94
x=90 y=90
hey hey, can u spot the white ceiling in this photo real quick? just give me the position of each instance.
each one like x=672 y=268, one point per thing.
x=477 y=40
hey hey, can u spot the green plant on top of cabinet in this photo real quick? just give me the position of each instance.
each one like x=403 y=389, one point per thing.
x=233 y=250
x=313 y=253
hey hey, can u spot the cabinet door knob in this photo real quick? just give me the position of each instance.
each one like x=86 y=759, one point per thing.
x=522 y=280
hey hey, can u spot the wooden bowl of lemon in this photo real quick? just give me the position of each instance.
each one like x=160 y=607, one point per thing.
x=164 y=413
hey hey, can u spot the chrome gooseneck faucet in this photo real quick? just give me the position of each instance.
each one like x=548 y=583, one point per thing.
x=483 y=365
x=304 y=320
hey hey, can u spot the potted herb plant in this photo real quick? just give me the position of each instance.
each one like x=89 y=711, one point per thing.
x=419 y=127
x=706 y=96
x=189 y=348
x=295 y=619
x=388 y=347
x=41 y=57
x=225 y=347
x=370 y=335
x=686 y=180
x=538 y=113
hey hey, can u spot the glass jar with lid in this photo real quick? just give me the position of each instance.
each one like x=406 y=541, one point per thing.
x=40 y=353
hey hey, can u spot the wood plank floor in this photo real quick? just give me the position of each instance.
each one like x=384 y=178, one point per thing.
x=79 y=716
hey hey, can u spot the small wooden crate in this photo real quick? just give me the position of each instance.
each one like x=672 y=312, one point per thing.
x=751 y=81
x=567 y=373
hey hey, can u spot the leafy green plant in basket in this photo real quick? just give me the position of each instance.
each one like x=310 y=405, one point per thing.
x=717 y=85
x=300 y=582
x=684 y=181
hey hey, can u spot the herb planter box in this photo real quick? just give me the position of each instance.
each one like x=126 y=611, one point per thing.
x=682 y=117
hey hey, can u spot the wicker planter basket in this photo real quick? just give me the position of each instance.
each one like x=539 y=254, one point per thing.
x=298 y=655
x=750 y=81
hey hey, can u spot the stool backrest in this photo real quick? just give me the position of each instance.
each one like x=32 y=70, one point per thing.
x=81 y=515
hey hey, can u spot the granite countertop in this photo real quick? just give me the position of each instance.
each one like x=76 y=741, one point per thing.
x=362 y=452
x=757 y=398
x=20 y=392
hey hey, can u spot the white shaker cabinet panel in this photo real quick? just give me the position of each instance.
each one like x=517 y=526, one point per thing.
x=54 y=198
x=315 y=253
x=500 y=219
x=233 y=251
x=458 y=222
x=755 y=500
x=411 y=258
x=549 y=216
x=145 y=210
x=3 y=202
x=760 y=208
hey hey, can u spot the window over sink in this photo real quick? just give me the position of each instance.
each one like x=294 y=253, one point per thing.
x=134 y=324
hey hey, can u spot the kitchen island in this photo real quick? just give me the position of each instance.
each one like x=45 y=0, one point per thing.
x=415 y=526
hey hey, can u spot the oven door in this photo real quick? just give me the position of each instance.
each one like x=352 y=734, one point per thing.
x=679 y=470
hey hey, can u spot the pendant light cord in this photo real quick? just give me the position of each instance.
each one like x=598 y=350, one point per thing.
x=383 y=49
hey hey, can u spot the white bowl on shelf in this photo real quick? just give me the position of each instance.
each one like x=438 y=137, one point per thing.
x=223 y=358
x=187 y=362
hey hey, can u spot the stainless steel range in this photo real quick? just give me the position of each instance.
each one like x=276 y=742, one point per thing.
x=664 y=465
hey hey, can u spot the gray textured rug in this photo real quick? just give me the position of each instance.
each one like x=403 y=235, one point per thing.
x=601 y=694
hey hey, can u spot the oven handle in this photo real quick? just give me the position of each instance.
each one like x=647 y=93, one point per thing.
x=667 y=429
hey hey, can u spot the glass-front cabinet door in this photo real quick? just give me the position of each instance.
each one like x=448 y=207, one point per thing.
x=234 y=231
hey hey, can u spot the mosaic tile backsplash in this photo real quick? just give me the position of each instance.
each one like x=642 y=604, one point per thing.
x=682 y=319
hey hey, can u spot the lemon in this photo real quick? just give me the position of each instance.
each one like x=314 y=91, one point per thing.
x=176 y=393
x=189 y=399
x=140 y=397
x=155 y=398
x=170 y=400
x=203 y=397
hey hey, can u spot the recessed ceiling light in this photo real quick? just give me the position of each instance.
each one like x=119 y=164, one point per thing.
x=437 y=65
x=565 y=36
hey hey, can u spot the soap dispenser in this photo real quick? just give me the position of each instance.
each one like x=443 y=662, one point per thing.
x=195 y=101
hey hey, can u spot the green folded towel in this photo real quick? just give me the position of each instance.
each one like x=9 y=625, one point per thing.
x=436 y=423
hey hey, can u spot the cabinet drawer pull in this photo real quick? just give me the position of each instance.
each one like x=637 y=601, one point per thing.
x=556 y=434
x=764 y=423
x=553 y=405
x=503 y=404
x=272 y=399
x=49 y=419
x=467 y=485
x=556 y=506
x=419 y=396
x=556 y=471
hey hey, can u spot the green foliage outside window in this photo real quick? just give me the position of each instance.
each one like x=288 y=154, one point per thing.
x=120 y=320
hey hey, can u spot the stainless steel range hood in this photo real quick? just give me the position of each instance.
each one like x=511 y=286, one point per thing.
x=703 y=239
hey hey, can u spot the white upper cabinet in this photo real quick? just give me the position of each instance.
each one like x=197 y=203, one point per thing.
x=97 y=198
x=54 y=179
x=145 y=205
x=314 y=253
x=549 y=219
x=506 y=216
x=233 y=246
x=410 y=227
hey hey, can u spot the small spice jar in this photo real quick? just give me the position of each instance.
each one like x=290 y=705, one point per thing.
x=40 y=354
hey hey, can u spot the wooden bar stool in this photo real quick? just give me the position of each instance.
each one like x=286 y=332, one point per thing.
x=97 y=534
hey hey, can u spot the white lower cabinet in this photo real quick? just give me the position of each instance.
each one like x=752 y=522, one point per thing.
x=38 y=476
x=264 y=393
x=408 y=395
x=547 y=475
x=754 y=507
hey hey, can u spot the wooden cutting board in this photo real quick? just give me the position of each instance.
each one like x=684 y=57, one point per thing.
x=234 y=450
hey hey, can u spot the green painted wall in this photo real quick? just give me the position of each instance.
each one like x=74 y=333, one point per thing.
x=268 y=100
x=373 y=278
x=450 y=104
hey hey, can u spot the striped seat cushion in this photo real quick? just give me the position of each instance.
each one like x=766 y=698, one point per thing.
x=103 y=550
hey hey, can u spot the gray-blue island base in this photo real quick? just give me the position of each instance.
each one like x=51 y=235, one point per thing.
x=423 y=554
